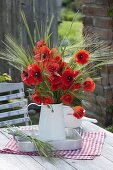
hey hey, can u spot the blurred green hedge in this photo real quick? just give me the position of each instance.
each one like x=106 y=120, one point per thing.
x=68 y=15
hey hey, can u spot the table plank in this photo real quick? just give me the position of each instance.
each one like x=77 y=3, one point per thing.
x=99 y=163
x=32 y=161
x=8 y=162
x=107 y=152
x=22 y=162
x=59 y=164
x=102 y=162
x=14 y=162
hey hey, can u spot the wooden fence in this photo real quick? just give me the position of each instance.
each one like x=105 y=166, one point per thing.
x=11 y=23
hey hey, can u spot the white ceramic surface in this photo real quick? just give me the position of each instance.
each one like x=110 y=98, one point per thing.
x=51 y=124
x=70 y=120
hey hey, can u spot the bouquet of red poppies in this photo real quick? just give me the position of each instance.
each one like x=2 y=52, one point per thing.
x=53 y=79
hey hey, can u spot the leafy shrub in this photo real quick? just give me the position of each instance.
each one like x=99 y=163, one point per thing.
x=68 y=15
x=76 y=5
x=75 y=33
x=66 y=2
x=72 y=4
x=5 y=77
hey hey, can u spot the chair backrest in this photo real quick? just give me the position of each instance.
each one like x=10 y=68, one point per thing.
x=13 y=105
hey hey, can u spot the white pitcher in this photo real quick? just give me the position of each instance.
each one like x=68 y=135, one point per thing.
x=51 y=123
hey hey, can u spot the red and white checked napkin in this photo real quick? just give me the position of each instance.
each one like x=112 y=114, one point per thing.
x=92 y=146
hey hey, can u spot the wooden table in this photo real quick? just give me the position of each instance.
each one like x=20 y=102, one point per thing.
x=23 y=162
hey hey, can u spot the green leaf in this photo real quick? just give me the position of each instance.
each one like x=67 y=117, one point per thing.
x=27 y=28
x=15 y=54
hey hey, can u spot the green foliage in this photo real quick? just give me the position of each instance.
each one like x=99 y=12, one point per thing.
x=17 y=56
x=72 y=4
x=110 y=8
x=110 y=11
x=68 y=15
x=75 y=34
x=66 y=2
x=76 y=5
x=109 y=109
x=5 y=77
x=110 y=128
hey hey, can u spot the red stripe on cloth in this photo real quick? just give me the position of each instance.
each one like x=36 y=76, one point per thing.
x=91 y=146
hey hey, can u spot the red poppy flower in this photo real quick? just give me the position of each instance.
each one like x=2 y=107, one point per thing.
x=32 y=75
x=57 y=59
x=35 y=73
x=53 y=67
x=43 y=54
x=65 y=87
x=82 y=57
x=41 y=43
x=62 y=66
x=36 y=97
x=25 y=78
x=68 y=77
x=76 y=73
x=48 y=100
x=53 y=52
x=55 y=79
x=76 y=86
x=37 y=57
x=79 y=112
x=66 y=99
x=89 y=85
x=55 y=87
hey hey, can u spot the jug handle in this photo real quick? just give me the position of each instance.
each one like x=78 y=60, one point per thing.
x=33 y=104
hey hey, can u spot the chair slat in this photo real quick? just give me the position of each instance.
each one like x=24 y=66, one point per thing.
x=20 y=103
x=14 y=121
x=5 y=87
x=13 y=113
x=17 y=106
x=12 y=96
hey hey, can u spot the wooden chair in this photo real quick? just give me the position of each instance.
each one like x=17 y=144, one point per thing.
x=13 y=105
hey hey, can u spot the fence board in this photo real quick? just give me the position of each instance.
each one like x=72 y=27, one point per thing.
x=11 y=22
